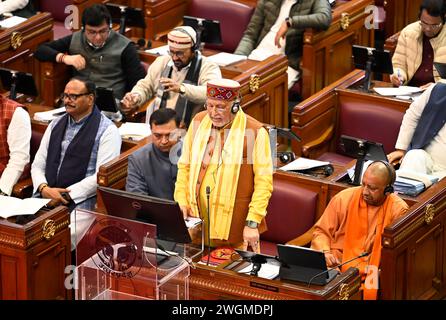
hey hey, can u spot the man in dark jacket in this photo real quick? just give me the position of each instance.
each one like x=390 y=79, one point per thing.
x=97 y=53
x=277 y=26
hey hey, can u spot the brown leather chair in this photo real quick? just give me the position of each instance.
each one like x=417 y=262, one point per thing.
x=233 y=16
x=291 y=213
x=360 y=120
x=57 y=10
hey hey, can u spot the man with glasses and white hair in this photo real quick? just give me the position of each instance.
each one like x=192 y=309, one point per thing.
x=176 y=81
x=97 y=53
x=420 y=44
x=73 y=148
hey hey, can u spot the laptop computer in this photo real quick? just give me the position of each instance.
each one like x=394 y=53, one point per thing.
x=304 y=265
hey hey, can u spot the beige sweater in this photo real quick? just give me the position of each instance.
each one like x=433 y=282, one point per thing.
x=409 y=51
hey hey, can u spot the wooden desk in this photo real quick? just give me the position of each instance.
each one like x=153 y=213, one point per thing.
x=17 y=45
x=33 y=256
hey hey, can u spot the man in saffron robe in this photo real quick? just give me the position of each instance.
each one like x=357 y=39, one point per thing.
x=354 y=220
x=226 y=163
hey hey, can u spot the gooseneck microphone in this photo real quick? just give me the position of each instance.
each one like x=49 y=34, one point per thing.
x=339 y=265
x=208 y=193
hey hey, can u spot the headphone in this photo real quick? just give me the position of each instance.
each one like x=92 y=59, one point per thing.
x=194 y=44
x=235 y=106
x=391 y=172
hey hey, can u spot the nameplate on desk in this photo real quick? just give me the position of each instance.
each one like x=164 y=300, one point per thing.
x=263 y=286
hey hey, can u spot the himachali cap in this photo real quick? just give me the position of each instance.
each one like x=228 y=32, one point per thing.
x=183 y=37
x=223 y=89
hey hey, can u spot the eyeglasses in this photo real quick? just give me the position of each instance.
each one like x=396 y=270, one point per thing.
x=72 y=96
x=218 y=108
x=425 y=25
x=179 y=54
x=102 y=32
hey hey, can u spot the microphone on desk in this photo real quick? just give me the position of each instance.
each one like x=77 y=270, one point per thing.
x=208 y=193
x=339 y=265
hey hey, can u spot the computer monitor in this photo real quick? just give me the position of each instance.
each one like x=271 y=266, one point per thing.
x=105 y=99
x=208 y=31
x=126 y=16
x=371 y=60
x=441 y=68
x=362 y=150
x=16 y=81
x=165 y=214
x=304 y=265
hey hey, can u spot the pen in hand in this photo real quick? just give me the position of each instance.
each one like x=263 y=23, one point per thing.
x=399 y=76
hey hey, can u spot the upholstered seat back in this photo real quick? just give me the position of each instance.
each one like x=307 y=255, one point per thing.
x=291 y=212
x=357 y=118
x=57 y=9
x=233 y=16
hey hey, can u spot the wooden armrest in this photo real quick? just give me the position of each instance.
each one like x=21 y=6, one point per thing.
x=23 y=189
x=315 y=144
x=303 y=239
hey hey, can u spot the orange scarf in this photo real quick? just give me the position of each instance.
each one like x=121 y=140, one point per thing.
x=355 y=238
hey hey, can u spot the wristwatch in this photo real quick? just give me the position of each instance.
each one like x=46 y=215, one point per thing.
x=182 y=89
x=251 y=224
x=288 y=22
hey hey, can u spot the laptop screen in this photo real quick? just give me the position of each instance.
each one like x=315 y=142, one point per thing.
x=165 y=214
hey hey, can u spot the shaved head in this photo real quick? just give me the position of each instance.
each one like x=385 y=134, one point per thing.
x=380 y=170
x=376 y=178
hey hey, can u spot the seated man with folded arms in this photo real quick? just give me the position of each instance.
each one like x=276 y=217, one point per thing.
x=73 y=148
x=15 y=137
x=152 y=169
x=97 y=53
x=421 y=143
x=277 y=27
x=354 y=220
x=176 y=81
x=420 y=44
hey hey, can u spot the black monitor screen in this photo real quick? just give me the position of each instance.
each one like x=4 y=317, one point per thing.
x=24 y=81
x=133 y=16
x=165 y=214
x=211 y=29
x=381 y=60
x=355 y=147
x=105 y=99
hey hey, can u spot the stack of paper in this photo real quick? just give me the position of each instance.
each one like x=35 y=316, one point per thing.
x=162 y=51
x=10 y=206
x=224 y=58
x=11 y=22
x=399 y=91
x=47 y=116
x=412 y=183
x=301 y=164
x=134 y=130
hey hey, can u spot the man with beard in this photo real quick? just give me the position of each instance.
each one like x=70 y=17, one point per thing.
x=177 y=81
x=354 y=220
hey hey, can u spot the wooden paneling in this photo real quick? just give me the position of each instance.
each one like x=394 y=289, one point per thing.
x=28 y=35
x=32 y=266
x=400 y=13
x=327 y=54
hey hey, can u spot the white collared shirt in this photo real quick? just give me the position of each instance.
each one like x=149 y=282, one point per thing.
x=18 y=139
